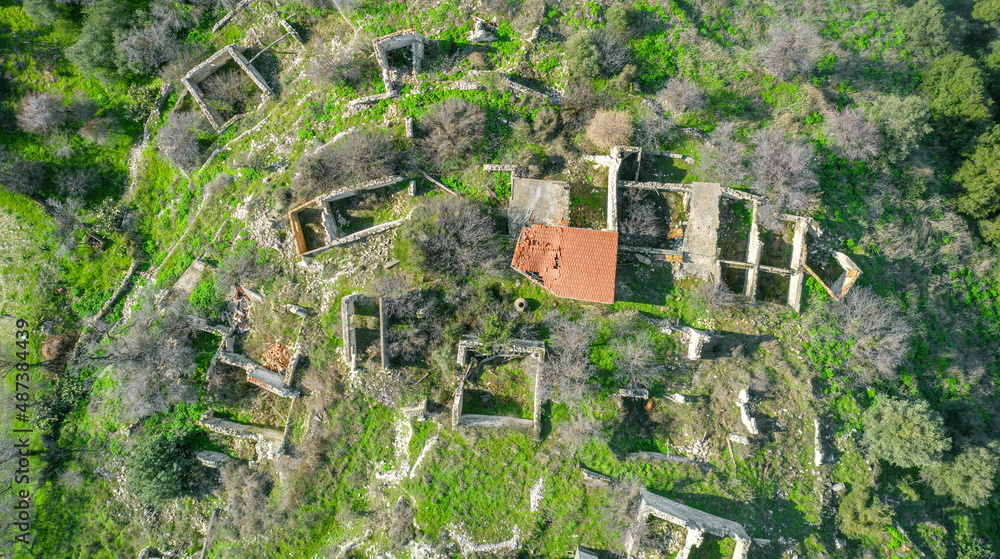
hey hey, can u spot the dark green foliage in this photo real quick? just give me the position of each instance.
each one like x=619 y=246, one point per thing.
x=930 y=28
x=979 y=177
x=956 y=91
x=903 y=121
x=968 y=479
x=861 y=519
x=582 y=57
x=106 y=24
x=905 y=433
x=158 y=468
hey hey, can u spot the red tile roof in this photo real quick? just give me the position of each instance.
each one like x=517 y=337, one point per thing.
x=569 y=262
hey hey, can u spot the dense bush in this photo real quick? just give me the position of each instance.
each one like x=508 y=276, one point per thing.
x=930 y=28
x=860 y=518
x=956 y=90
x=158 y=468
x=905 y=433
x=107 y=23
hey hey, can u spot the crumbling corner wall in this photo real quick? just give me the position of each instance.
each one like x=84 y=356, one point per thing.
x=400 y=39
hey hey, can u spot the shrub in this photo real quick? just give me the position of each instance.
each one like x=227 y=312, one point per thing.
x=178 y=140
x=619 y=19
x=983 y=10
x=582 y=57
x=452 y=236
x=905 y=433
x=357 y=157
x=41 y=113
x=456 y=126
x=968 y=479
x=930 y=28
x=636 y=363
x=346 y=65
x=19 y=175
x=43 y=12
x=96 y=130
x=860 y=519
x=681 y=94
x=247 y=492
x=610 y=128
x=853 y=134
x=792 y=48
x=158 y=468
x=229 y=91
x=903 y=121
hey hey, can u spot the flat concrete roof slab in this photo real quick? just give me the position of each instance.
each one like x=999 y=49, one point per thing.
x=702 y=235
x=538 y=202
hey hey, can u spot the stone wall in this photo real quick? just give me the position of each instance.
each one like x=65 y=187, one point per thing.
x=257 y=374
x=217 y=60
x=347 y=330
x=696 y=521
x=269 y=442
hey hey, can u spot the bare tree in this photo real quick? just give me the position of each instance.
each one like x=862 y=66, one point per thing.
x=880 y=335
x=41 y=112
x=247 y=493
x=792 y=47
x=147 y=48
x=229 y=91
x=635 y=359
x=76 y=183
x=680 y=94
x=344 y=65
x=652 y=127
x=639 y=218
x=149 y=358
x=610 y=128
x=853 y=134
x=19 y=175
x=782 y=174
x=453 y=237
x=614 y=53
x=723 y=157
x=357 y=157
x=567 y=364
x=455 y=128
x=178 y=140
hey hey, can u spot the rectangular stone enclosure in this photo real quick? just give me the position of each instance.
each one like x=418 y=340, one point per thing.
x=219 y=59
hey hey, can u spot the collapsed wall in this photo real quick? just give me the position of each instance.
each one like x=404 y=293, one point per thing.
x=269 y=442
x=259 y=375
x=696 y=521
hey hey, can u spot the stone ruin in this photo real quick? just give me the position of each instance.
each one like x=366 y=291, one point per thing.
x=269 y=443
x=212 y=459
x=482 y=31
x=400 y=39
x=322 y=233
x=742 y=399
x=198 y=74
x=259 y=375
x=698 y=523
x=537 y=201
x=698 y=255
x=348 y=325
x=473 y=354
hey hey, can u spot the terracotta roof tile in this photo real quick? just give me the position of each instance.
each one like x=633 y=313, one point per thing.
x=569 y=262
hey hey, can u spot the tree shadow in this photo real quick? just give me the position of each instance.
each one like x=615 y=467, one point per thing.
x=633 y=430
